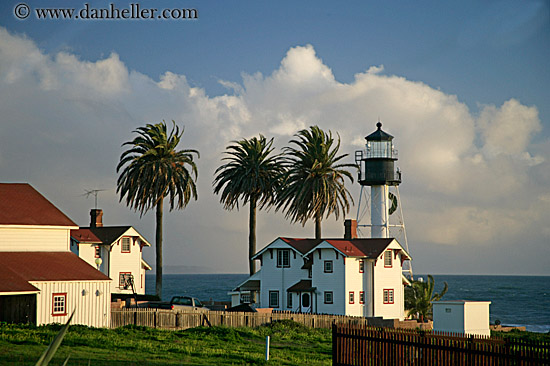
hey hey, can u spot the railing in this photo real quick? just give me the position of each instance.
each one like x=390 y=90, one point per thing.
x=352 y=345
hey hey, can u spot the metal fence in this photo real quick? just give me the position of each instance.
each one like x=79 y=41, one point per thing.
x=353 y=345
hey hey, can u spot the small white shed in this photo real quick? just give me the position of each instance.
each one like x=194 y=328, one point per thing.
x=462 y=316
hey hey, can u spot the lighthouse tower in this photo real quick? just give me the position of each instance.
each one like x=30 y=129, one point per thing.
x=377 y=170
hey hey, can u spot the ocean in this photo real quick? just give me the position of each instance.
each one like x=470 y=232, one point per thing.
x=515 y=300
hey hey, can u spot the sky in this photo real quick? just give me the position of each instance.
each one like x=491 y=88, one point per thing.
x=464 y=87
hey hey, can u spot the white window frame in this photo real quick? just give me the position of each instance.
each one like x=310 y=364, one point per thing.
x=246 y=298
x=328 y=267
x=289 y=299
x=122 y=244
x=388 y=260
x=329 y=297
x=273 y=304
x=283 y=258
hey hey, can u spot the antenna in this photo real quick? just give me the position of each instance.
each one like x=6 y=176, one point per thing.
x=94 y=192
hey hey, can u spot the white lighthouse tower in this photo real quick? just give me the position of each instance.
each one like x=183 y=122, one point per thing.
x=377 y=170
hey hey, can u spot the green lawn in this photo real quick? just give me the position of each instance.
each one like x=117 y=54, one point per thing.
x=291 y=344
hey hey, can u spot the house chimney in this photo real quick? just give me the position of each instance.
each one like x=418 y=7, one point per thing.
x=96 y=217
x=350 y=229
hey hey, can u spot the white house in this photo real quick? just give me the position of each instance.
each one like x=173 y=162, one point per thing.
x=361 y=277
x=119 y=248
x=41 y=281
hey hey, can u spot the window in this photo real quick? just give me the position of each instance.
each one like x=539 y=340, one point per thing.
x=361 y=266
x=283 y=258
x=97 y=251
x=59 y=304
x=245 y=299
x=273 y=299
x=328 y=297
x=123 y=278
x=388 y=296
x=289 y=299
x=126 y=245
x=351 y=297
x=387 y=258
x=361 y=297
x=328 y=266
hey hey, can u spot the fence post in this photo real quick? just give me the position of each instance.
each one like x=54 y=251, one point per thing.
x=334 y=345
x=267 y=348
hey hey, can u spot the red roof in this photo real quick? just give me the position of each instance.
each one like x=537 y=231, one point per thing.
x=370 y=248
x=302 y=245
x=21 y=204
x=18 y=268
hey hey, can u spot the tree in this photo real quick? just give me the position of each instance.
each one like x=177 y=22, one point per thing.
x=153 y=169
x=314 y=182
x=419 y=297
x=252 y=174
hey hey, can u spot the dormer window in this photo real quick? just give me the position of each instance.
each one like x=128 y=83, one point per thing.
x=283 y=258
x=126 y=245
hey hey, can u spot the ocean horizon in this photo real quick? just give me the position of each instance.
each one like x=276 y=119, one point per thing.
x=515 y=300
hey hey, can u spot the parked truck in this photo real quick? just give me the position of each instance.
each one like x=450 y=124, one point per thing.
x=179 y=303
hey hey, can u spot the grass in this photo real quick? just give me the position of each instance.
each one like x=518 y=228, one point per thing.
x=291 y=344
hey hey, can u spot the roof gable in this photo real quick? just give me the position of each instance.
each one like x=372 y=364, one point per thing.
x=21 y=204
x=302 y=246
x=370 y=248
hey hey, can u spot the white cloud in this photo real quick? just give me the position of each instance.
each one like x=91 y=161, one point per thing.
x=467 y=180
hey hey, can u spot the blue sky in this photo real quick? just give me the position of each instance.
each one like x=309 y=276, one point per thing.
x=463 y=87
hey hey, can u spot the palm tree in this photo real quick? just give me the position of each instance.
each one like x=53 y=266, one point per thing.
x=314 y=183
x=419 y=297
x=153 y=169
x=252 y=174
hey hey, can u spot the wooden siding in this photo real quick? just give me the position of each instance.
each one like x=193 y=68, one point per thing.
x=123 y=262
x=334 y=281
x=34 y=239
x=90 y=299
x=389 y=278
x=273 y=278
x=354 y=281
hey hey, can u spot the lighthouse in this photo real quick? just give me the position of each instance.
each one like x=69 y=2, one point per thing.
x=377 y=170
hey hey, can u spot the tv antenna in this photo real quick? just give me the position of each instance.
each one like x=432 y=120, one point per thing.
x=94 y=192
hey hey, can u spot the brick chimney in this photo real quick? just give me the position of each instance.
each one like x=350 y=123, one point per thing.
x=350 y=229
x=96 y=217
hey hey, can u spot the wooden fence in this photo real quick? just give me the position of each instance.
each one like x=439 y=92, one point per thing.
x=171 y=319
x=353 y=345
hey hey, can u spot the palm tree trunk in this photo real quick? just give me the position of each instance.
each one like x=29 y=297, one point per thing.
x=252 y=236
x=158 y=246
x=318 y=218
